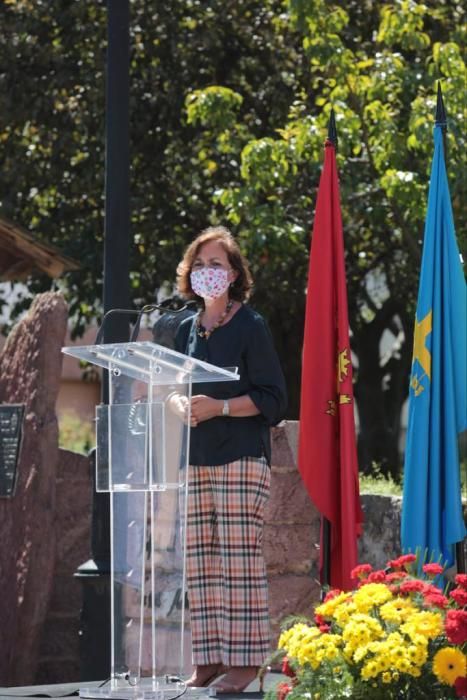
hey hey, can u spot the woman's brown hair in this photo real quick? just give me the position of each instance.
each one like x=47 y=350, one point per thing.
x=240 y=289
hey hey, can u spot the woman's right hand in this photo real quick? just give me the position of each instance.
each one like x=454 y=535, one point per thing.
x=179 y=405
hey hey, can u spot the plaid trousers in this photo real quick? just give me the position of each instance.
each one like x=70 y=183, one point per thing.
x=226 y=574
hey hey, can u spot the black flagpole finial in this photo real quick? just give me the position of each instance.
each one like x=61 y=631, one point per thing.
x=332 y=131
x=440 y=118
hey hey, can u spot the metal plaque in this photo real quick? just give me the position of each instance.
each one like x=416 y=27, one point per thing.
x=11 y=421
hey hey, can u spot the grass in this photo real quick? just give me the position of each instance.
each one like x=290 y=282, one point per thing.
x=380 y=485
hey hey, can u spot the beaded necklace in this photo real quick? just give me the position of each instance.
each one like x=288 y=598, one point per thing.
x=202 y=332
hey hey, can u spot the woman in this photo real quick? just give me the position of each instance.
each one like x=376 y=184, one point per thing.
x=229 y=456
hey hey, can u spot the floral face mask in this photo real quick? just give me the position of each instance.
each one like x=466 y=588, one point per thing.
x=210 y=282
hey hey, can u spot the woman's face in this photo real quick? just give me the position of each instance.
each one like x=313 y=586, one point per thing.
x=213 y=254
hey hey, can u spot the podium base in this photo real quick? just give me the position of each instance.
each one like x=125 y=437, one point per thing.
x=145 y=689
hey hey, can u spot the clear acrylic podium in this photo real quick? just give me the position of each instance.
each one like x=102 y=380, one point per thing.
x=142 y=461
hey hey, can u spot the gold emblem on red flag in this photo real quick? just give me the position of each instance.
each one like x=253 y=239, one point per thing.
x=342 y=399
x=343 y=363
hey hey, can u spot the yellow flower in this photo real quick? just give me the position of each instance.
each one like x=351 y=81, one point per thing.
x=331 y=652
x=371 y=595
x=295 y=638
x=397 y=610
x=402 y=664
x=386 y=677
x=360 y=653
x=427 y=624
x=417 y=654
x=327 y=609
x=369 y=670
x=448 y=664
x=415 y=671
x=394 y=640
x=361 y=630
x=344 y=612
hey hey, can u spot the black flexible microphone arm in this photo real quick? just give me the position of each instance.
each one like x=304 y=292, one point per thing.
x=149 y=308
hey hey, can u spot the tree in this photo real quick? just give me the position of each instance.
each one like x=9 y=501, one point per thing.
x=378 y=66
x=52 y=125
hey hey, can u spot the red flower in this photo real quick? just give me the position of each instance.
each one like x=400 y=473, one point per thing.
x=436 y=600
x=360 y=571
x=433 y=569
x=460 y=596
x=396 y=576
x=461 y=687
x=414 y=586
x=456 y=626
x=287 y=669
x=461 y=580
x=331 y=594
x=429 y=589
x=283 y=689
x=402 y=561
x=322 y=624
x=377 y=577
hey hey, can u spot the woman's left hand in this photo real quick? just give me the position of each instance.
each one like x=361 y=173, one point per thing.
x=204 y=407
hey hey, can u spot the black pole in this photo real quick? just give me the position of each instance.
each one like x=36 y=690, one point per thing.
x=326 y=555
x=332 y=131
x=95 y=573
x=441 y=120
x=325 y=523
x=440 y=117
x=117 y=170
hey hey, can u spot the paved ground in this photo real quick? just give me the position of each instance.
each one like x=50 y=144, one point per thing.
x=68 y=690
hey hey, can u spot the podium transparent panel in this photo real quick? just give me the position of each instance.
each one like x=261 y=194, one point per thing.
x=149 y=635
x=151 y=363
x=142 y=460
x=140 y=447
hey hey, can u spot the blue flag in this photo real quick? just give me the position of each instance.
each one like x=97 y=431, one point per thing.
x=432 y=515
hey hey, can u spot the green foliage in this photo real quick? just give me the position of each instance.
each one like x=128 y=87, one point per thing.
x=216 y=106
x=76 y=434
x=53 y=119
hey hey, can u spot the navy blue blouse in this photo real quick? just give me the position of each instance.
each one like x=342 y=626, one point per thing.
x=244 y=342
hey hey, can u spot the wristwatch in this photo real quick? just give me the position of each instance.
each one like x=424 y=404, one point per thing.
x=226 y=408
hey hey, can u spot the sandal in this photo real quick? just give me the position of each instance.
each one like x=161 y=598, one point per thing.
x=204 y=675
x=237 y=679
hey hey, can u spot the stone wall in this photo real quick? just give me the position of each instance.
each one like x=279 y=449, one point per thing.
x=58 y=654
x=380 y=540
x=292 y=532
x=30 y=368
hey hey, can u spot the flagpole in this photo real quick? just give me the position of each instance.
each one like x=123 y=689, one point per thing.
x=441 y=121
x=325 y=523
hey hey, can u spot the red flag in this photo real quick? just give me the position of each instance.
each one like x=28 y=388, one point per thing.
x=327 y=454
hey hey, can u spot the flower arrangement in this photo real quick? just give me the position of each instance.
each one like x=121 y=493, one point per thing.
x=396 y=636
